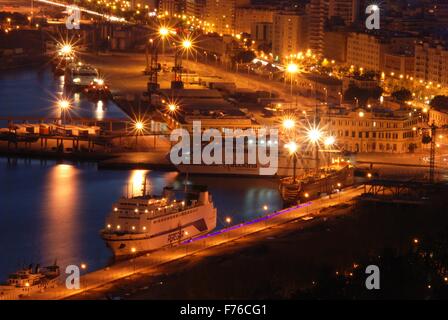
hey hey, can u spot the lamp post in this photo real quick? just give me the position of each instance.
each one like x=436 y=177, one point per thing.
x=134 y=251
x=314 y=135
x=187 y=44
x=329 y=142
x=139 y=126
x=64 y=106
x=292 y=149
x=163 y=33
x=291 y=69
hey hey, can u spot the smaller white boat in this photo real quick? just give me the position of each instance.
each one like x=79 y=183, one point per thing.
x=30 y=280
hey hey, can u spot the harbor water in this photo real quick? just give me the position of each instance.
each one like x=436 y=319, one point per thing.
x=54 y=210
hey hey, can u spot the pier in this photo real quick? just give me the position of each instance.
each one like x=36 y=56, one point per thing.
x=114 y=143
x=407 y=192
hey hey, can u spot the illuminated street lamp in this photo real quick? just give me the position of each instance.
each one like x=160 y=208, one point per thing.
x=291 y=69
x=66 y=49
x=139 y=127
x=289 y=123
x=64 y=106
x=228 y=220
x=314 y=135
x=292 y=149
x=134 y=251
x=329 y=141
x=172 y=107
x=163 y=31
x=187 y=44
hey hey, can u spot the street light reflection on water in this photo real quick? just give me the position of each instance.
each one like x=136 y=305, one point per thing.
x=59 y=234
x=99 y=112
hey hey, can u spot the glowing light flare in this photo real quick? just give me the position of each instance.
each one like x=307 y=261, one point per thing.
x=172 y=107
x=164 y=31
x=329 y=141
x=314 y=134
x=66 y=49
x=292 y=68
x=64 y=104
x=139 y=126
x=288 y=123
x=292 y=147
x=187 y=44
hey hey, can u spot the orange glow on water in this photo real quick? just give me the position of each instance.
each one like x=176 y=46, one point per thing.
x=60 y=232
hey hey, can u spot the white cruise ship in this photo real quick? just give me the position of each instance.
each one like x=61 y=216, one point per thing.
x=146 y=223
x=285 y=167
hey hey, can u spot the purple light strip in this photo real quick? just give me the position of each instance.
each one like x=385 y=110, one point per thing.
x=266 y=217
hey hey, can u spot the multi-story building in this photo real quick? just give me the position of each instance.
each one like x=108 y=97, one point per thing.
x=187 y=7
x=245 y=17
x=289 y=34
x=438 y=116
x=317 y=10
x=261 y=32
x=374 y=131
x=320 y=11
x=366 y=51
x=431 y=63
x=347 y=10
x=335 y=45
x=221 y=14
x=399 y=64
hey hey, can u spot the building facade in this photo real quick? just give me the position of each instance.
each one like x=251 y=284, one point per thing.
x=261 y=32
x=366 y=51
x=335 y=45
x=246 y=17
x=347 y=10
x=399 y=64
x=361 y=131
x=221 y=14
x=438 y=117
x=290 y=34
x=317 y=10
x=431 y=63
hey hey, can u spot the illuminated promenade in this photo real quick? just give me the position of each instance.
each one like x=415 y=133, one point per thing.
x=150 y=262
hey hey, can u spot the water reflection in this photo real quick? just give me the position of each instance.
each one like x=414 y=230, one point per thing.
x=99 y=112
x=135 y=183
x=60 y=206
x=38 y=99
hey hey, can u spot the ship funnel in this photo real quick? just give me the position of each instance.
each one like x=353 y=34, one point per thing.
x=203 y=197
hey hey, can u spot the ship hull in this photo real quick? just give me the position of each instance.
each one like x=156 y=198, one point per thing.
x=235 y=170
x=171 y=235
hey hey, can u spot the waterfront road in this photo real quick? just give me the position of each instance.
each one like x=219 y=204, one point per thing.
x=124 y=72
x=207 y=245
